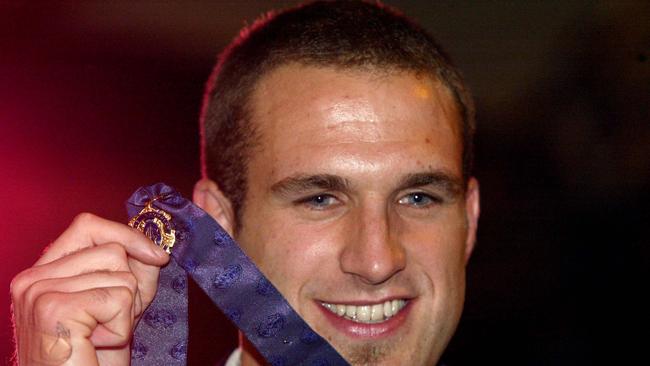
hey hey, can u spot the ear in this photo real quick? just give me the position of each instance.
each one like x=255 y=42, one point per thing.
x=211 y=199
x=472 y=212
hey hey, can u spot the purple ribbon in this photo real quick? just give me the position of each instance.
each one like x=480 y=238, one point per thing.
x=204 y=251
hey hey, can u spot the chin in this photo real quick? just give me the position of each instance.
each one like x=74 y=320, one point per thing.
x=399 y=340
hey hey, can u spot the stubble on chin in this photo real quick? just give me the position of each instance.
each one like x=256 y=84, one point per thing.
x=368 y=353
x=391 y=353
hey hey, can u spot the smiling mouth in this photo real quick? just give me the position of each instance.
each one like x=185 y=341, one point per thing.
x=367 y=314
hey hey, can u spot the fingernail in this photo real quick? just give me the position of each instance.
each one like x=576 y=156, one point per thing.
x=160 y=252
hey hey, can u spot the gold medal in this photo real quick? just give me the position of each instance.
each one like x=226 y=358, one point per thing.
x=157 y=225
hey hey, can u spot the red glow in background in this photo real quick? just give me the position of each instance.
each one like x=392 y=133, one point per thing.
x=97 y=99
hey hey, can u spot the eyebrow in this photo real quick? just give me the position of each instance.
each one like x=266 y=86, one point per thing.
x=297 y=184
x=303 y=183
x=451 y=185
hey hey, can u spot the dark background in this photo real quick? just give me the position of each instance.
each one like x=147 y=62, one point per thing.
x=99 y=98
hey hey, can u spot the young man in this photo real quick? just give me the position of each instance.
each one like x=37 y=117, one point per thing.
x=336 y=148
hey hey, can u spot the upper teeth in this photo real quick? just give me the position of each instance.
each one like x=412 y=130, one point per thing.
x=367 y=313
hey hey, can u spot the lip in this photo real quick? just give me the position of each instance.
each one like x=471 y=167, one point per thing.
x=368 y=331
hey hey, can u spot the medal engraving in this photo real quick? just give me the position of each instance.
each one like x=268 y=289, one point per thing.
x=157 y=225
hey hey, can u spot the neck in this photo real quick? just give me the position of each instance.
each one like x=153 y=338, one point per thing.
x=249 y=355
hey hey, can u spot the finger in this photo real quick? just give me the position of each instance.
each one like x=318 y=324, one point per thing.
x=147 y=277
x=109 y=257
x=81 y=321
x=88 y=230
x=83 y=282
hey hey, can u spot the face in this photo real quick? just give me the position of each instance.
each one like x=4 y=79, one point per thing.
x=356 y=208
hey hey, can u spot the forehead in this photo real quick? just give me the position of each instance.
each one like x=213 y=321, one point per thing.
x=306 y=116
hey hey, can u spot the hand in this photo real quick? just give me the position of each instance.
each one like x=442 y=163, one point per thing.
x=80 y=301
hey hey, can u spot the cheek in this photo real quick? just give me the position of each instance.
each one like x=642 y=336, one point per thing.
x=437 y=256
x=437 y=249
x=291 y=254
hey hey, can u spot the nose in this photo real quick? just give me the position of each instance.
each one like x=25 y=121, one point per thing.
x=371 y=253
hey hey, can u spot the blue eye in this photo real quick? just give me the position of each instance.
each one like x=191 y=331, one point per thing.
x=418 y=199
x=320 y=201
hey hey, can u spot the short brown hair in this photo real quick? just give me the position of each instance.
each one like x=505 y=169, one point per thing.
x=345 y=34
